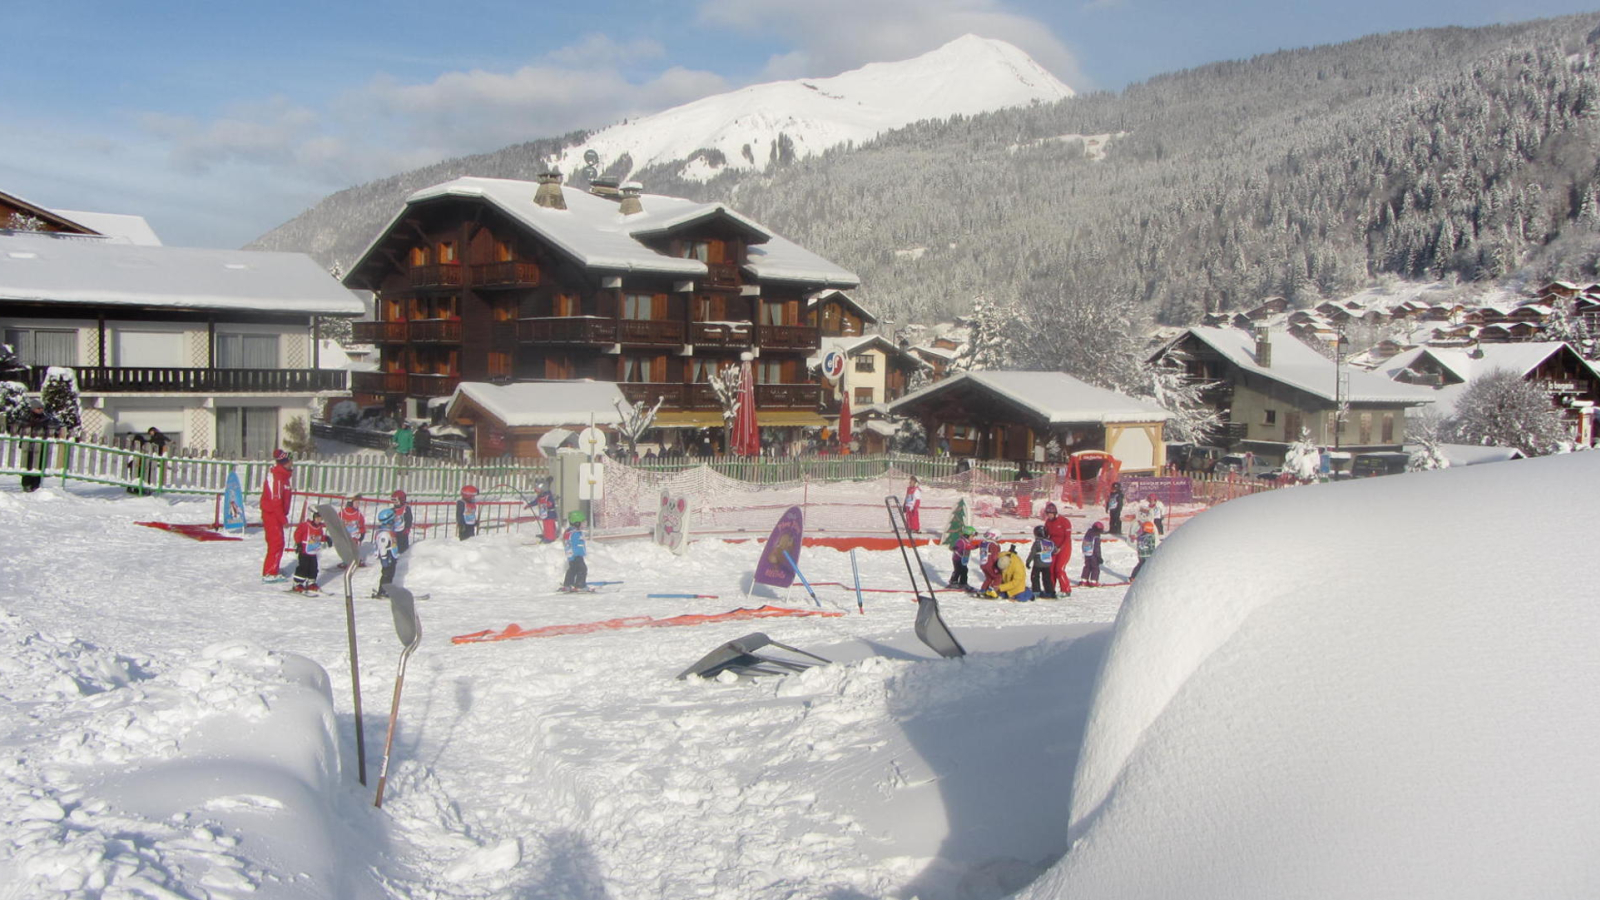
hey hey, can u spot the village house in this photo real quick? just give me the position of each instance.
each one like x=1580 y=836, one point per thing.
x=496 y=280
x=1572 y=382
x=876 y=372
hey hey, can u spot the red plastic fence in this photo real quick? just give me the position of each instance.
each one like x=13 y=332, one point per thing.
x=513 y=632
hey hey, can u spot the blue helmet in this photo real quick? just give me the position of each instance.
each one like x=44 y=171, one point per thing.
x=385 y=516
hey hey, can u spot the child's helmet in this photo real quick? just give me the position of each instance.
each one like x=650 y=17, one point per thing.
x=1038 y=531
x=1148 y=527
x=350 y=503
x=576 y=517
x=279 y=456
x=969 y=531
x=385 y=517
x=469 y=490
x=1100 y=525
x=398 y=496
x=1049 y=508
x=991 y=535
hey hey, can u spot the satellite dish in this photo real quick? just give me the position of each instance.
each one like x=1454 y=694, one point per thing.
x=589 y=173
x=591 y=157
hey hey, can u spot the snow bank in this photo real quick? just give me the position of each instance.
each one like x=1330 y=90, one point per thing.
x=1398 y=701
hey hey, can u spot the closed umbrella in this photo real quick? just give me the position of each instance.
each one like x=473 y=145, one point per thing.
x=746 y=437
x=844 y=422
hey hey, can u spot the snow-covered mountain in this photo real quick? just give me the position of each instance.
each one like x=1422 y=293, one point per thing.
x=742 y=129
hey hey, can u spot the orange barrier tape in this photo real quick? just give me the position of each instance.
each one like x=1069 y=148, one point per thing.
x=513 y=631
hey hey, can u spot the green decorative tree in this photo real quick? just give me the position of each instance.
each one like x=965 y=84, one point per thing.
x=958 y=523
x=297 y=438
x=60 y=396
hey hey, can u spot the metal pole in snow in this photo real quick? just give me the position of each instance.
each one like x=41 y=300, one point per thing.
x=856 y=571
x=802 y=577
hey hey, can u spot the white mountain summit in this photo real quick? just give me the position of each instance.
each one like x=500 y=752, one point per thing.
x=741 y=129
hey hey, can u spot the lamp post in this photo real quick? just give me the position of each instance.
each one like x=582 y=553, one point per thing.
x=1339 y=344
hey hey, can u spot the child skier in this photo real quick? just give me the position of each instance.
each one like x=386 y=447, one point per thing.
x=309 y=536
x=989 y=559
x=544 y=509
x=960 y=554
x=1145 y=543
x=402 y=522
x=355 y=525
x=577 y=578
x=1013 y=577
x=467 y=513
x=912 y=504
x=1091 y=555
x=386 y=543
x=1041 y=556
x=1114 y=502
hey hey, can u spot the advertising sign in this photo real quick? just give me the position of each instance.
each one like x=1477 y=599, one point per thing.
x=233 y=505
x=833 y=365
x=672 y=523
x=773 y=569
x=1170 y=490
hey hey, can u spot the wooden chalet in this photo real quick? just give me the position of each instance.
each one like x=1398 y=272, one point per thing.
x=1571 y=381
x=494 y=280
x=15 y=211
x=837 y=314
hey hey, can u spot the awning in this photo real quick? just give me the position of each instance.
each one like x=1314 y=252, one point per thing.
x=790 y=417
x=702 y=418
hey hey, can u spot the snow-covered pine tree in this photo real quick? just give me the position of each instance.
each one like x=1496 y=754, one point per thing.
x=989 y=340
x=60 y=396
x=1303 y=460
x=13 y=401
x=1424 y=430
x=1193 y=420
x=297 y=438
x=1500 y=409
x=636 y=420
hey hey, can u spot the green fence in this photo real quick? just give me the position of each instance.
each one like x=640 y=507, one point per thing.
x=855 y=467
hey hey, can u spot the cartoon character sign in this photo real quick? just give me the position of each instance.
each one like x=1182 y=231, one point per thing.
x=773 y=569
x=672 y=523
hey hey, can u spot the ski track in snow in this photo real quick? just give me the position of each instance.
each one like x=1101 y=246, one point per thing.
x=573 y=766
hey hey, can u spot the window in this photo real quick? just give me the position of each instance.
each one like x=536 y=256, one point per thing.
x=150 y=348
x=567 y=305
x=700 y=250
x=641 y=369
x=419 y=256
x=247 y=351
x=641 y=306
x=701 y=370
x=1366 y=428
x=502 y=251
x=863 y=396
x=1269 y=417
x=1388 y=428
x=435 y=307
x=42 y=347
x=866 y=364
x=772 y=313
x=247 y=432
x=499 y=364
x=447 y=251
x=769 y=371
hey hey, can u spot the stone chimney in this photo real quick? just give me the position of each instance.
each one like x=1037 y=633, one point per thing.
x=549 y=193
x=631 y=204
x=1263 y=348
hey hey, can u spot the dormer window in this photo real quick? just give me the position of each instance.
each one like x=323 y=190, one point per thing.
x=419 y=256
x=700 y=250
x=447 y=251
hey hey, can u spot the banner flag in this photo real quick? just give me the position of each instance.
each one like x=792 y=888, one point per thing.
x=233 y=505
x=774 y=568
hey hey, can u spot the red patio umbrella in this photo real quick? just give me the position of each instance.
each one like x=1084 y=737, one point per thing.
x=746 y=437
x=844 y=421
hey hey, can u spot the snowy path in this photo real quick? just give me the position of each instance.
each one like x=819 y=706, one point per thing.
x=576 y=766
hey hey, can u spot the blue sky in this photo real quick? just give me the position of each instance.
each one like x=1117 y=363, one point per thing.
x=218 y=120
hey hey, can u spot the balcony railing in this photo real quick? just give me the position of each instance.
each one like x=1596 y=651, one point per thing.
x=505 y=274
x=673 y=396
x=436 y=275
x=720 y=334
x=378 y=332
x=432 y=385
x=701 y=396
x=163 y=380
x=788 y=337
x=435 y=331
x=722 y=274
x=788 y=396
x=649 y=331
x=378 y=382
x=567 y=330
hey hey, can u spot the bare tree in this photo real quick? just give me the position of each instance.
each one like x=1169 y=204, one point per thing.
x=636 y=420
x=725 y=384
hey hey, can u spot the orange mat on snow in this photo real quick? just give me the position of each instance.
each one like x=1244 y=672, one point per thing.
x=512 y=632
x=837 y=543
x=198 y=532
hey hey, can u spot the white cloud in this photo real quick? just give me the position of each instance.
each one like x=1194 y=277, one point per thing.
x=832 y=36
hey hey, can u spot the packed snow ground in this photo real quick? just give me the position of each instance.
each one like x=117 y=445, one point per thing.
x=175 y=728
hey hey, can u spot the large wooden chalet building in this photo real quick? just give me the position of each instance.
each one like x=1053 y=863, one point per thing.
x=494 y=280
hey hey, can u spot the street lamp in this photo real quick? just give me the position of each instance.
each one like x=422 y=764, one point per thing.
x=1339 y=345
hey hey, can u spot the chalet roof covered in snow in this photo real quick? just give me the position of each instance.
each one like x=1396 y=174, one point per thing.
x=538 y=404
x=593 y=231
x=854 y=346
x=1300 y=367
x=817 y=298
x=116 y=227
x=1520 y=357
x=72 y=269
x=1056 y=397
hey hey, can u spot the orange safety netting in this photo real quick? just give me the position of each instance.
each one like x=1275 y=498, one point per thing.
x=513 y=631
x=198 y=532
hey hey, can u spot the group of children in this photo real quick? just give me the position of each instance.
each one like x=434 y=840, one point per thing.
x=1006 y=573
x=391 y=538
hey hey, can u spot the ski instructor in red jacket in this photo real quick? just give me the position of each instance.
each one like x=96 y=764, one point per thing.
x=1058 y=530
x=275 y=497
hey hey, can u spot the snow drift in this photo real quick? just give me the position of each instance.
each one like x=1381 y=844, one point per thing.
x=1398 y=702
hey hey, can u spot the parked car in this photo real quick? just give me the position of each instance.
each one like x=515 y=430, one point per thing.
x=1194 y=457
x=1239 y=464
x=1383 y=462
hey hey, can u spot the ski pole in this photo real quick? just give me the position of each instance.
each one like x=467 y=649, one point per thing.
x=679 y=596
x=796 y=568
x=861 y=608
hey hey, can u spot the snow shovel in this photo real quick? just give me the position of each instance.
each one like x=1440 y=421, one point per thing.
x=930 y=628
x=349 y=555
x=739 y=656
x=408 y=627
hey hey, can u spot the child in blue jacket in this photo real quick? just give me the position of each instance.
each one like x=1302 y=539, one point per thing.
x=577 y=548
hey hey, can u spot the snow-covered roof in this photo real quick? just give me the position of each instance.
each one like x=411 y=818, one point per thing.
x=1472 y=454
x=947 y=355
x=534 y=404
x=813 y=300
x=116 y=227
x=1300 y=367
x=1468 y=363
x=593 y=231
x=1056 y=397
x=43 y=268
x=852 y=346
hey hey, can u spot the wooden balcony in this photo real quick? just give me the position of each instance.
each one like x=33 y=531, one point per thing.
x=432 y=385
x=701 y=396
x=436 y=275
x=722 y=274
x=505 y=275
x=649 y=331
x=163 y=380
x=435 y=331
x=720 y=334
x=378 y=332
x=788 y=396
x=673 y=396
x=567 y=330
x=788 y=337
x=378 y=382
